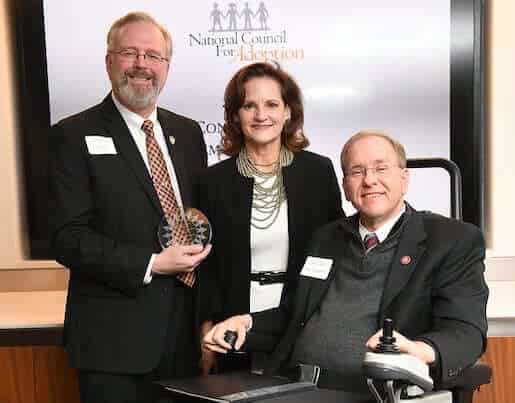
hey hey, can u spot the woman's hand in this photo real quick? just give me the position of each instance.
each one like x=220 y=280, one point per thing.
x=214 y=339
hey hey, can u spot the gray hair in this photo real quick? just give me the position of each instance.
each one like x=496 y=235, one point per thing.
x=138 y=16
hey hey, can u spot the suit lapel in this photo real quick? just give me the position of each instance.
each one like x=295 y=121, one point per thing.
x=128 y=150
x=179 y=166
x=240 y=198
x=405 y=260
x=242 y=202
x=292 y=179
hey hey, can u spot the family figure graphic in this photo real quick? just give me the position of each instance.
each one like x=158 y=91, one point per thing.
x=233 y=16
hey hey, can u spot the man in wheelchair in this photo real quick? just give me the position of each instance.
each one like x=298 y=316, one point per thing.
x=423 y=270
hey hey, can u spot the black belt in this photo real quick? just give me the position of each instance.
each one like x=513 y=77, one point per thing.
x=268 y=277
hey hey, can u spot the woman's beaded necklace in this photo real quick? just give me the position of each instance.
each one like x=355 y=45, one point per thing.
x=266 y=200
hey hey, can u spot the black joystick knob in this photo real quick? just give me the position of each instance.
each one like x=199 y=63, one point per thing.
x=387 y=341
x=230 y=337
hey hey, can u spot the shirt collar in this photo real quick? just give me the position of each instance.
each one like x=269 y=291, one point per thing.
x=132 y=118
x=383 y=231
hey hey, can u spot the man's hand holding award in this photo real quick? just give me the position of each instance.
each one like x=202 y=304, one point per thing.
x=185 y=241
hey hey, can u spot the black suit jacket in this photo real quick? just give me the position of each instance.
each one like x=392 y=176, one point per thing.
x=313 y=198
x=439 y=296
x=105 y=215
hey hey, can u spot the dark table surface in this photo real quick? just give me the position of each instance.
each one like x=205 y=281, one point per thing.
x=219 y=385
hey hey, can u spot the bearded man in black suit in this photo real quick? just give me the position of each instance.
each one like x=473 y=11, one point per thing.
x=129 y=312
x=423 y=270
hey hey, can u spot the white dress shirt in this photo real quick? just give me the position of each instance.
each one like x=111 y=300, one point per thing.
x=383 y=231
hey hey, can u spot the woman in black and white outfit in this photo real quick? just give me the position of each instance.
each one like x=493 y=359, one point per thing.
x=264 y=202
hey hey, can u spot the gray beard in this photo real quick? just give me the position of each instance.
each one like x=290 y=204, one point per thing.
x=137 y=100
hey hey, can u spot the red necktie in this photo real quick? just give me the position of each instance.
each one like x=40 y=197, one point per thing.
x=164 y=189
x=370 y=241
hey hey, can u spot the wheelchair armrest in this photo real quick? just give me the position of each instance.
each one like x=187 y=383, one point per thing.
x=471 y=377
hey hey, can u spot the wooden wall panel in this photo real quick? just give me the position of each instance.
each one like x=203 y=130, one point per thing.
x=16 y=375
x=36 y=375
x=55 y=381
x=500 y=355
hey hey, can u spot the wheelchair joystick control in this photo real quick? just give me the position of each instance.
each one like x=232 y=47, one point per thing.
x=395 y=371
x=387 y=341
x=230 y=337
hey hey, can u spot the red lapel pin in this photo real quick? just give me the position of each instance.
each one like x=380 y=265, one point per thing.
x=405 y=260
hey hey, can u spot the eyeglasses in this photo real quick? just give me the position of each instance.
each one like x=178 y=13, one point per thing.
x=378 y=170
x=132 y=55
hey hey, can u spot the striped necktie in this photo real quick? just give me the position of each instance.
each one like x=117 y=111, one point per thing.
x=370 y=241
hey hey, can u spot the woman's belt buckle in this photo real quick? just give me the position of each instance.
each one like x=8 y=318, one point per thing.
x=268 y=277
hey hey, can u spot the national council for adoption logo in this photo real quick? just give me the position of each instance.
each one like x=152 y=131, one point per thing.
x=242 y=32
x=233 y=16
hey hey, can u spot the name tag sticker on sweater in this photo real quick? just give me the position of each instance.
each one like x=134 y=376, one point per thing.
x=317 y=267
x=98 y=145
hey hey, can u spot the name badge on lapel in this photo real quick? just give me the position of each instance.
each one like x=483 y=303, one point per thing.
x=317 y=267
x=98 y=145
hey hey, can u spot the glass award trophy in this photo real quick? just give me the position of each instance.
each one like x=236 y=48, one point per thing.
x=197 y=225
